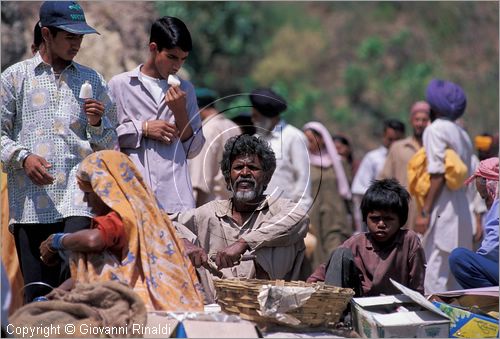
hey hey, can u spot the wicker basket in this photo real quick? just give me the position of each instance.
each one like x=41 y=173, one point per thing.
x=324 y=307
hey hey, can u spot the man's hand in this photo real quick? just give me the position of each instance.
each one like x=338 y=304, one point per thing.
x=479 y=232
x=196 y=254
x=49 y=256
x=176 y=100
x=421 y=224
x=160 y=130
x=35 y=168
x=231 y=255
x=94 y=110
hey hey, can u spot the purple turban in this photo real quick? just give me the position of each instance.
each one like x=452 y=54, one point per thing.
x=446 y=98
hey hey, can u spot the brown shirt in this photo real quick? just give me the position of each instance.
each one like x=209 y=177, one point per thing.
x=396 y=163
x=403 y=260
x=275 y=234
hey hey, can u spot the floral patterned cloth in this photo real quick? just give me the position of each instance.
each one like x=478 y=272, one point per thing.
x=43 y=115
x=154 y=265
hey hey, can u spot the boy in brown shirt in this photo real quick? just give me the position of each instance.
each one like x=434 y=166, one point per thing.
x=366 y=261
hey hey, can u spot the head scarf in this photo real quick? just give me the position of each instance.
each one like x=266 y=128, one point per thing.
x=155 y=266
x=446 y=98
x=420 y=106
x=487 y=169
x=331 y=157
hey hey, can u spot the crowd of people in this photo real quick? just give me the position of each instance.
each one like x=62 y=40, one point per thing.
x=148 y=184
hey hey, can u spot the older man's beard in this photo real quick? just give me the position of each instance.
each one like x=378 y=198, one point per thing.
x=246 y=196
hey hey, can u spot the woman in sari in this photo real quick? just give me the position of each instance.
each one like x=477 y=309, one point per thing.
x=330 y=214
x=131 y=240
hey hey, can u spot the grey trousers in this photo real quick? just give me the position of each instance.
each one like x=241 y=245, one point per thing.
x=342 y=271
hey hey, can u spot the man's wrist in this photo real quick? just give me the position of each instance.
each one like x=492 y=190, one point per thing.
x=97 y=124
x=23 y=157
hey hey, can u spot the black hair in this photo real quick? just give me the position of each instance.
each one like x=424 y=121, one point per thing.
x=395 y=124
x=248 y=145
x=386 y=194
x=37 y=36
x=343 y=140
x=244 y=121
x=169 y=32
x=53 y=30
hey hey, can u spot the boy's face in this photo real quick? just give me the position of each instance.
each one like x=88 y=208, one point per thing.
x=169 y=61
x=64 y=44
x=383 y=225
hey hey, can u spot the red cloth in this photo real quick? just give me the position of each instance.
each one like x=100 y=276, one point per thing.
x=403 y=260
x=112 y=231
x=487 y=169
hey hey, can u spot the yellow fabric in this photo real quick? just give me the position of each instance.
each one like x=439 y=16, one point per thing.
x=155 y=265
x=419 y=181
x=9 y=254
x=483 y=143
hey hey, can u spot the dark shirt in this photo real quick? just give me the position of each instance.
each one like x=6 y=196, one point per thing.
x=402 y=259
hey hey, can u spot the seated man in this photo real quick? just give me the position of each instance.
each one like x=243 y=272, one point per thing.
x=131 y=240
x=480 y=268
x=270 y=229
x=366 y=261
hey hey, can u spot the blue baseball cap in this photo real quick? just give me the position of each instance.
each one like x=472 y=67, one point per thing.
x=65 y=15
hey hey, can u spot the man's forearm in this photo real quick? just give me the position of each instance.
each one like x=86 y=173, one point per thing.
x=437 y=184
x=182 y=123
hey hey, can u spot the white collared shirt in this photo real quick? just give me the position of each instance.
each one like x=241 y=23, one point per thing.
x=291 y=179
x=370 y=167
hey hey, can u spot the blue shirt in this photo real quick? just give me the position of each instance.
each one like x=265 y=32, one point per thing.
x=489 y=245
x=44 y=116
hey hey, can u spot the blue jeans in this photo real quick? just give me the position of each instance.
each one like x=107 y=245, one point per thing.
x=473 y=270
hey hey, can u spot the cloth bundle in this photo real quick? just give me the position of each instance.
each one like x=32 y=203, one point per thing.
x=106 y=305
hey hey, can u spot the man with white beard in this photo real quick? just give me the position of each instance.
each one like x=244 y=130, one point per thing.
x=268 y=230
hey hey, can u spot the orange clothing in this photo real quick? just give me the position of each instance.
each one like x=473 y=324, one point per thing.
x=153 y=263
x=9 y=255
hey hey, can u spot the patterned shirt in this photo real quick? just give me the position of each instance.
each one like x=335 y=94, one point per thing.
x=44 y=116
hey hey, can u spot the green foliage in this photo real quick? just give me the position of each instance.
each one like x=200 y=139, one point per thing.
x=371 y=48
x=355 y=81
x=343 y=63
x=385 y=11
x=290 y=56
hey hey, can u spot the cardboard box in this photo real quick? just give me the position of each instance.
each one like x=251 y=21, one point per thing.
x=483 y=301
x=465 y=324
x=162 y=325
x=403 y=315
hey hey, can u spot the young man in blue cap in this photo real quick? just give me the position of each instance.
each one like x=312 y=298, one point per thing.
x=47 y=130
